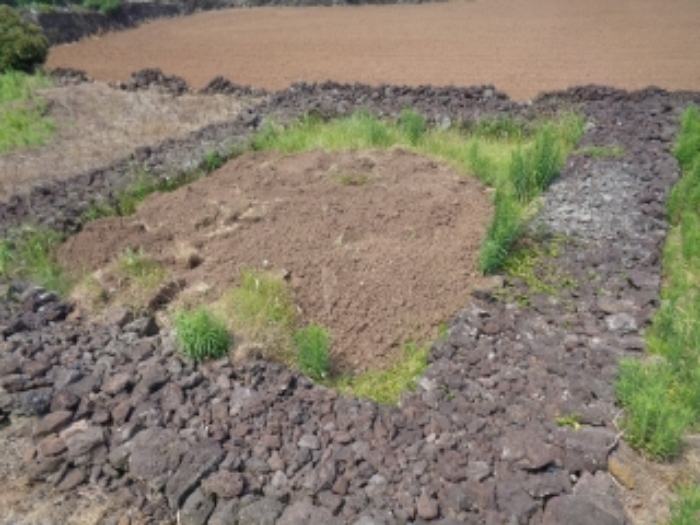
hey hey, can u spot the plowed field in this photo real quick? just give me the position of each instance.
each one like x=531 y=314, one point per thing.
x=521 y=46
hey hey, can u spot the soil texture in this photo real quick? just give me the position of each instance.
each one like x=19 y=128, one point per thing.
x=522 y=46
x=379 y=247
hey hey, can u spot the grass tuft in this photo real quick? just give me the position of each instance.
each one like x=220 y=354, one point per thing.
x=201 y=335
x=313 y=346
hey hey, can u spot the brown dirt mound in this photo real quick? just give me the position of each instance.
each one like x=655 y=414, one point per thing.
x=521 y=46
x=380 y=247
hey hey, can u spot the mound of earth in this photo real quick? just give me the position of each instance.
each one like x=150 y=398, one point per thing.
x=379 y=247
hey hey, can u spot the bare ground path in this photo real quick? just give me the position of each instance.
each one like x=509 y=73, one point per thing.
x=521 y=46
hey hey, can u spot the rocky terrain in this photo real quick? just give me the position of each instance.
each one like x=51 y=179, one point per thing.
x=513 y=421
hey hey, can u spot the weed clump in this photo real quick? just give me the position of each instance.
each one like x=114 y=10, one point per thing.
x=201 y=335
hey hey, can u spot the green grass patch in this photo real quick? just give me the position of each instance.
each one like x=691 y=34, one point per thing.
x=23 y=122
x=313 y=345
x=28 y=254
x=685 y=510
x=386 y=386
x=661 y=395
x=201 y=335
x=519 y=160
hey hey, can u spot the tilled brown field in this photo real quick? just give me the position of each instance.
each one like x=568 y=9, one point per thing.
x=522 y=46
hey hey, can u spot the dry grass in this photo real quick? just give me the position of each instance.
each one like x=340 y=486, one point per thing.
x=97 y=125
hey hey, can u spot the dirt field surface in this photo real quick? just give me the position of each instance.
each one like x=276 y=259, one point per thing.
x=360 y=256
x=96 y=125
x=522 y=46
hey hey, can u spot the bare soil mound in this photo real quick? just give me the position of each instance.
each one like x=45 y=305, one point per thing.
x=379 y=247
x=522 y=46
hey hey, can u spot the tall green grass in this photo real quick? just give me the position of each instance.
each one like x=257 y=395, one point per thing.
x=519 y=161
x=22 y=113
x=661 y=396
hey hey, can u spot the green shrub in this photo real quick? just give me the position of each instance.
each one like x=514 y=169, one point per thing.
x=201 y=335
x=22 y=45
x=313 y=346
